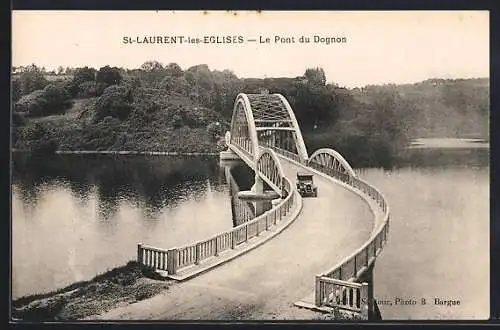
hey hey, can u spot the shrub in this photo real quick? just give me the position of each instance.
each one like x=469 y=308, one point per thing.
x=38 y=138
x=58 y=99
x=16 y=90
x=51 y=100
x=214 y=129
x=109 y=76
x=88 y=89
x=32 y=103
x=18 y=119
x=85 y=74
x=31 y=81
x=177 y=121
x=113 y=102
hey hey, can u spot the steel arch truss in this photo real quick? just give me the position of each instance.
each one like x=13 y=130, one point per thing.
x=243 y=132
x=270 y=170
x=331 y=160
x=265 y=120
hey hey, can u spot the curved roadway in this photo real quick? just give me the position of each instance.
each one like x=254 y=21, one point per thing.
x=265 y=283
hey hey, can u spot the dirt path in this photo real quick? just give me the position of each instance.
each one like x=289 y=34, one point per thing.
x=265 y=283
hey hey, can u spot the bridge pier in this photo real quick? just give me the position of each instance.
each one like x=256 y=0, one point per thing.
x=367 y=277
x=258 y=186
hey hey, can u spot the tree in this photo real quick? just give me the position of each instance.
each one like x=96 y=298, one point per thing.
x=113 y=102
x=53 y=99
x=173 y=70
x=16 y=90
x=177 y=121
x=84 y=74
x=109 y=76
x=32 y=79
x=151 y=66
x=60 y=70
x=214 y=129
x=315 y=77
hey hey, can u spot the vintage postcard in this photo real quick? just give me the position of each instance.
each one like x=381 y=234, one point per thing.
x=250 y=165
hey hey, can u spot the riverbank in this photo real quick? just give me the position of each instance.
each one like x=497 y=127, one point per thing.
x=124 y=152
x=118 y=287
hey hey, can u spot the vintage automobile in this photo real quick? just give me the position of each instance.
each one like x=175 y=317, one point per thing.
x=306 y=186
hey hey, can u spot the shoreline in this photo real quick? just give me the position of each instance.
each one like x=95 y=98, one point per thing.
x=121 y=152
x=127 y=284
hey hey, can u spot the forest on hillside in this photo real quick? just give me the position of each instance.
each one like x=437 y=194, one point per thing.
x=161 y=107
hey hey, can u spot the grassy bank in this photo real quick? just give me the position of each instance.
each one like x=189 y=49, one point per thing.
x=122 y=285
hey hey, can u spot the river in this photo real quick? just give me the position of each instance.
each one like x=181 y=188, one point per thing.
x=76 y=216
x=439 y=236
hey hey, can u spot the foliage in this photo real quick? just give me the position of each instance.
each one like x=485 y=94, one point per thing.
x=177 y=121
x=368 y=125
x=108 y=76
x=315 y=77
x=51 y=100
x=32 y=79
x=173 y=70
x=16 y=91
x=18 y=119
x=88 y=89
x=214 y=129
x=151 y=66
x=84 y=74
x=37 y=138
x=114 y=102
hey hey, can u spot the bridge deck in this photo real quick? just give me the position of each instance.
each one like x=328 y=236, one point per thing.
x=265 y=283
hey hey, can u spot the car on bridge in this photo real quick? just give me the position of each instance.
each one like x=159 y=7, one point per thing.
x=306 y=186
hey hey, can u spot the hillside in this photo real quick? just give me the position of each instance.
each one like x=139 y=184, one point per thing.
x=442 y=108
x=165 y=108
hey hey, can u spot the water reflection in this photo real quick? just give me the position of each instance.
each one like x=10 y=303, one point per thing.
x=154 y=182
x=75 y=216
x=243 y=210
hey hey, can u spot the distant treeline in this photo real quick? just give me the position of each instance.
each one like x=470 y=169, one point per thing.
x=165 y=108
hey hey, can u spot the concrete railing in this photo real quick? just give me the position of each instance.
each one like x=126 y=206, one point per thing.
x=337 y=287
x=174 y=259
x=287 y=154
x=332 y=285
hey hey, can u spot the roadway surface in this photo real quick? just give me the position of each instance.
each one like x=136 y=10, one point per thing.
x=265 y=283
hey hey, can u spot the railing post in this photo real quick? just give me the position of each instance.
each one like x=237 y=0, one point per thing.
x=355 y=266
x=217 y=242
x=197 y=257
x=365 y=303
x=317 y=291
x=172 y=261
x=233 y=239
x=139 y=253
x=246 y=232
x=267 y=221
x=257 y=229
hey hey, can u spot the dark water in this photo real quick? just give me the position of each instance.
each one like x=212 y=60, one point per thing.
x=439 y=236
x=75 y=216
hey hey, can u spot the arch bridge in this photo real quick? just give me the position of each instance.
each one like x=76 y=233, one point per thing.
x=266 y=135
x=326 y=231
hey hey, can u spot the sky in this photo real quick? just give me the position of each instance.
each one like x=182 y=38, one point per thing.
x=379 y=48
